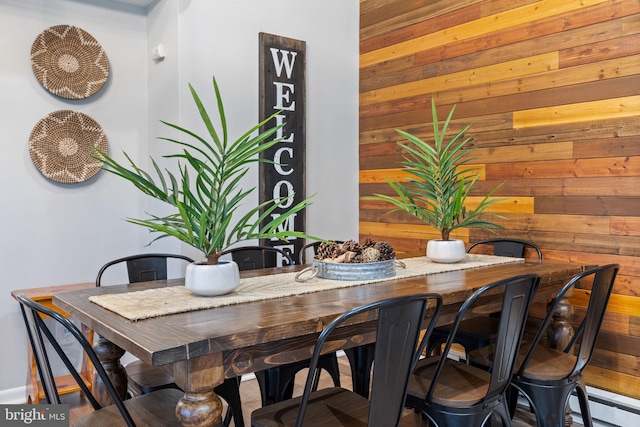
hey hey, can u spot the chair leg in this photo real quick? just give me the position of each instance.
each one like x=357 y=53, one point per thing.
x=229 y=390
x=583 y=400
x=277 y=383
x=548 y=403
x=512 y=400
x=361 y=361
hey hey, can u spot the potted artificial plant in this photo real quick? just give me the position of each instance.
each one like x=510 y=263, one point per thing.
x=206 y=195
x=438 y=187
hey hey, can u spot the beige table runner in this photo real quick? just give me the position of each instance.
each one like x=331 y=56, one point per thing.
x=149 y=303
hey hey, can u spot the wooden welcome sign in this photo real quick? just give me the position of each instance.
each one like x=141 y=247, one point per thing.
x=282 y=89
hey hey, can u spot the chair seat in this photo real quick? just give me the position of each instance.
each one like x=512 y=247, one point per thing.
x=152 y=410
x=460 y=385
x=545 y=364
x=334 y=406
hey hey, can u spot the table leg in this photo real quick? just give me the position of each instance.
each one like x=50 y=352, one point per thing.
x=109 y=355
x=200 y=409
x=200 y=406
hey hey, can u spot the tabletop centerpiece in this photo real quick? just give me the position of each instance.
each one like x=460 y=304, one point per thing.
x=206 y=195
x=352 y=260
x=438 y=185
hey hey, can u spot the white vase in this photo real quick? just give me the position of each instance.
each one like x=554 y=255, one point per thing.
x=445 y=251
x=210 y=280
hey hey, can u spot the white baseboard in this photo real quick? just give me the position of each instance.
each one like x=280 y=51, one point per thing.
x=608 y=409
x=13 y=396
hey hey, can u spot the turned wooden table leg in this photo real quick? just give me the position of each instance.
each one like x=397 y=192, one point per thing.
x=200 y=409
x=109 y=355
x=200 y=406
x=559 y=334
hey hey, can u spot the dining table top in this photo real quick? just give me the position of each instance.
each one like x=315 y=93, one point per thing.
x=269 y=323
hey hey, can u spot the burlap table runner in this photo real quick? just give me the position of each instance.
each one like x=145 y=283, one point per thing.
x=149 y=303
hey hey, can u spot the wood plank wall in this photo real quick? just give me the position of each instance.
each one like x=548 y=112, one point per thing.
x=552 y=88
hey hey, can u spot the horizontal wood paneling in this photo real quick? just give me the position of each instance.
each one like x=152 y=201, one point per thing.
x=552 y=89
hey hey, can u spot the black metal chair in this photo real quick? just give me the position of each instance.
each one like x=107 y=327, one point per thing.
x=255 y=257
x=276 y=384
x=482 y=331
x=157 y=408
x=398 y=326
x=504 y=246
x=452 y=393
x=143 y=378
x=548 y=376
x=143 y=267
x=360 y=357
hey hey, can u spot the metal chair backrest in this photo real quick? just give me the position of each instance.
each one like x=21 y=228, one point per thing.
x=602 y=280
x=398 y=324
x=143 y=267
x=255 y=257
x=517 y=293
x=39 y=333
x=505 y=246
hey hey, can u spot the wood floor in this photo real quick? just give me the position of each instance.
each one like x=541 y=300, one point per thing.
x=251 y=400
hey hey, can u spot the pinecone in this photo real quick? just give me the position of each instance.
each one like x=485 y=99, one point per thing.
x=370 y=255
x=351 y=246
x=368 y=242
x=328 y=250
x=386 y=251
x=356 y=259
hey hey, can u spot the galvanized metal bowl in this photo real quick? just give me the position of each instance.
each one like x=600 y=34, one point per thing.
x=349 y=271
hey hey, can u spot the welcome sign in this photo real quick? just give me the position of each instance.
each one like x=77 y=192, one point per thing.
x=282 y=91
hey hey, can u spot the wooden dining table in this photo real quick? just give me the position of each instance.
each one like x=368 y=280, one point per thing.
x=201 y=348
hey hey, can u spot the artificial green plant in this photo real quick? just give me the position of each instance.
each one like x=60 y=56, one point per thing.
x=206 y=191
x=439 y=181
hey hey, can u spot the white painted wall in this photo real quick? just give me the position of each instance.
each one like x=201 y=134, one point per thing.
x=221 y=38
x=54 y=234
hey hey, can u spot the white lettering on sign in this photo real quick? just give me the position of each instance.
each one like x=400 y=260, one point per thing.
x=287 y=225
x=283 y=92
x=288 y=188
x=280 y=132
x=283 y=191
x=278 y=159
x=279 y=61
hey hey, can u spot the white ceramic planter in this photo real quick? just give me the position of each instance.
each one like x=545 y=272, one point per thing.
x=445 y=251
x=210 y=280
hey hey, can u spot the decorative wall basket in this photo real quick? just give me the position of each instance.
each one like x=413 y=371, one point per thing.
x=62 y=146
x=69 y=62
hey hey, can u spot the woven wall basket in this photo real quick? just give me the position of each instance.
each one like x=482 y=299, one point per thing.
x=62 y=146
x=69 y=62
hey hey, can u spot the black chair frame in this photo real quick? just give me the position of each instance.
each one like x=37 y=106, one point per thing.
x=517 y=295
x=255 y=257
x=153 y=266
x=36 y=327
x=549 y=398
x=143 y=267
x=482 y=331
x=505 y=246
x=276 y=384
x=399 y=322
